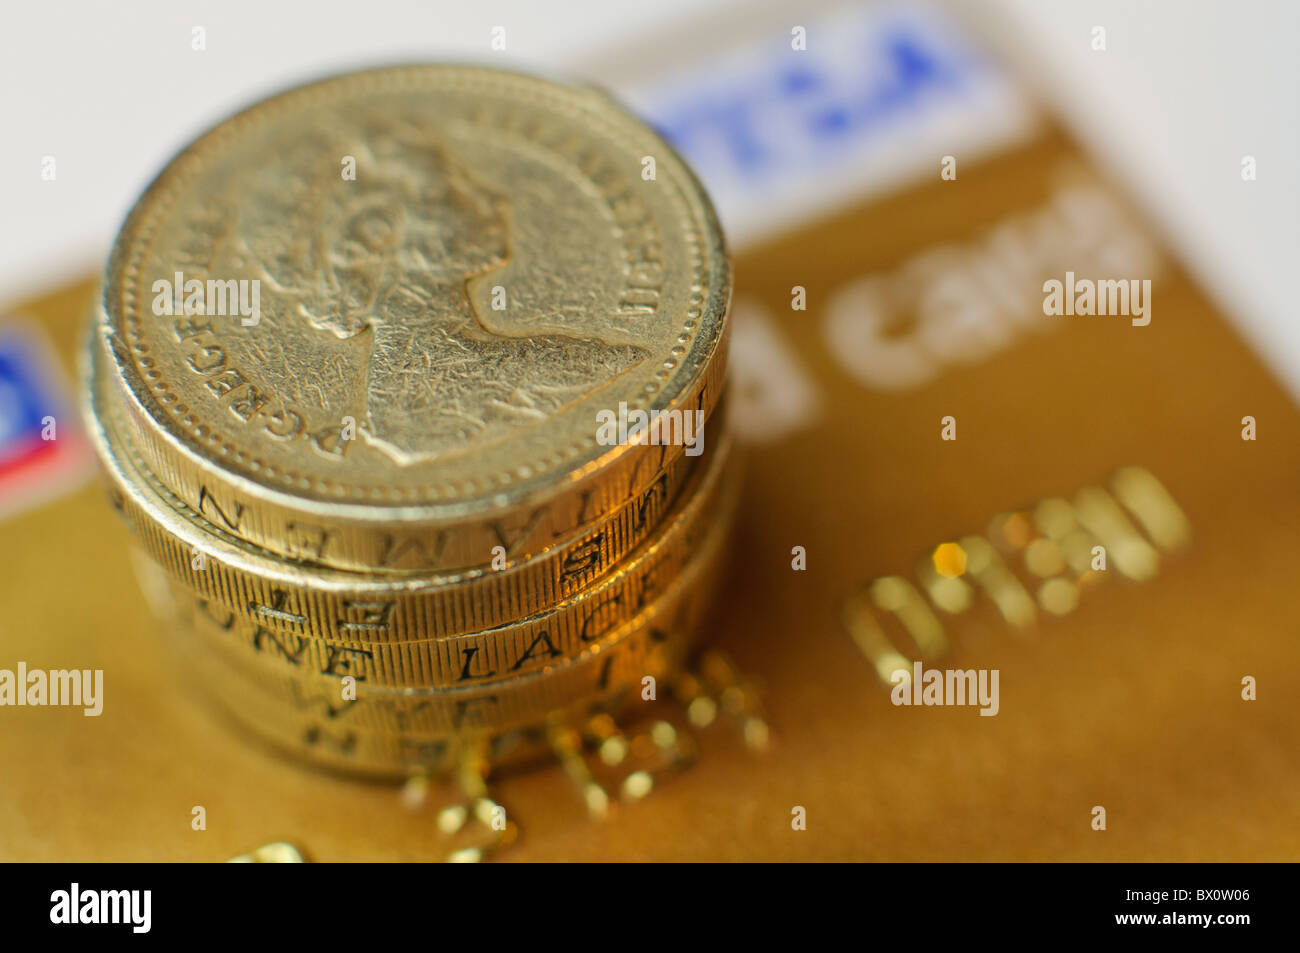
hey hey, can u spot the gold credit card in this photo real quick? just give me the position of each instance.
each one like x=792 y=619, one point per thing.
x=998 y=440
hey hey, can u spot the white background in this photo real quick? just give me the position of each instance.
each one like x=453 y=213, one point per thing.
x=1184 y=90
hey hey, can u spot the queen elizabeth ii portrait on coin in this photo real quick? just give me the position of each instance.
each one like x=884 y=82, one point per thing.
x=390 y=256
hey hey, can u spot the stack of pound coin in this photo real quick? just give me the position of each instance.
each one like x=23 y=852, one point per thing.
x=408 y=384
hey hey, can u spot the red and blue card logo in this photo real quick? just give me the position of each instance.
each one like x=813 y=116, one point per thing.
x=43 y=451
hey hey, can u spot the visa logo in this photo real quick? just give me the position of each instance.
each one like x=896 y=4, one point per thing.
x=879 y=95
x=806 y=108
x=42 y=450
x=24 y=407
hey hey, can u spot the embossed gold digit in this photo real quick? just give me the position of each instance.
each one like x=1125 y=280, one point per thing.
x=435 y=333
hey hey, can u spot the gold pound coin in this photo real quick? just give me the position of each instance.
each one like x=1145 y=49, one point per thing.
x=285 y=706
x=373 y=734
x=273 y=635
x=379 y=322
x=288 y=606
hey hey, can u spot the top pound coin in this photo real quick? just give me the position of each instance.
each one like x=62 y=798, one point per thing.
x=383 y=322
